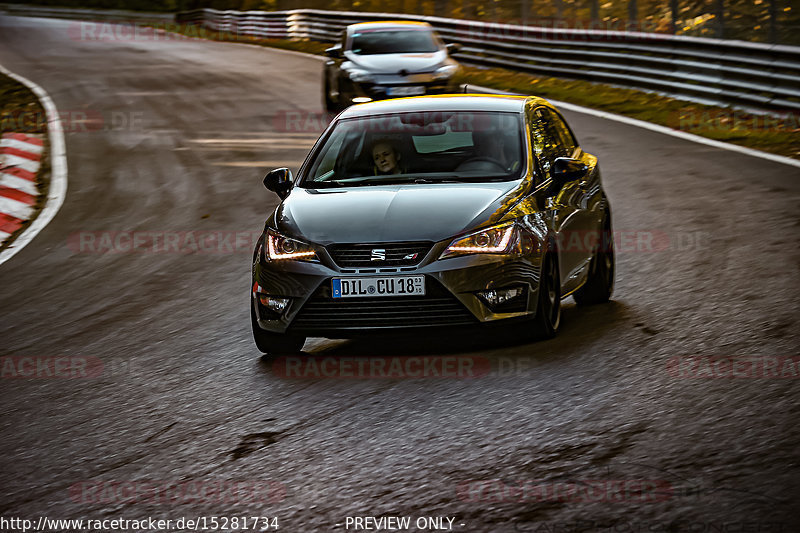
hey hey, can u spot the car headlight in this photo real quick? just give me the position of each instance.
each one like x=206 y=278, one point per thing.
x=506 y=238
x=280 y=247
x=445 y=72
x=359 y=76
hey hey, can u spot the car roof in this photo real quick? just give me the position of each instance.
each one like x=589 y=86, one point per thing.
x=444 y=102
x=388 y=25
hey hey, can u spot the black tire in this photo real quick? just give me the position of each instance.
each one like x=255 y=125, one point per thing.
x=548 y=310
x=274 y=343
x=599 y=284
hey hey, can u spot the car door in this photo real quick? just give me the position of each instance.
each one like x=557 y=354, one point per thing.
x=572 y=218
x=592 y=201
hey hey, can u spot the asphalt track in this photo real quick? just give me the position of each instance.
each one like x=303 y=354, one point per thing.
x=176 y=136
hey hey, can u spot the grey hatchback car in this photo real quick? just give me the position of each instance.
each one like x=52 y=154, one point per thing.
x=389 y=59
x=432 y=212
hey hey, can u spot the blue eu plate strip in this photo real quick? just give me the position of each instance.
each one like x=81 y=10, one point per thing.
x=337 y=288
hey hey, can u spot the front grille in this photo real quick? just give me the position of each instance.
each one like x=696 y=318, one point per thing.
x=437 y=308
x=396 y=253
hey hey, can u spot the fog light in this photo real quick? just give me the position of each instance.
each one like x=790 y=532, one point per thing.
x=276 y=305
x=361 y=99
x=497 y=297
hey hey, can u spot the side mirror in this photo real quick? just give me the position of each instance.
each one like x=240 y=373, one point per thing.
x=453 y=48
x=565 y=169
x=279 y=181
x=334 y=51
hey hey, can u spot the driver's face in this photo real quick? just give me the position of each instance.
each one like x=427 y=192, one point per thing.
x=385 y=158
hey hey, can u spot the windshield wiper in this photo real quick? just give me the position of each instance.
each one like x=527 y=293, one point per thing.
x=455 y=178
x=439 y=179
x=421 y=179
x=325 y=184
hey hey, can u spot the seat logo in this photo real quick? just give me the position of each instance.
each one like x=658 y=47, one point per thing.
x=378 y=254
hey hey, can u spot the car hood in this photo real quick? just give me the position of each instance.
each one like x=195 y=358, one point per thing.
x=391 y=213
x=394 y=63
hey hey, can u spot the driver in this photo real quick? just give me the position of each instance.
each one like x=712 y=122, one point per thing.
x=386 y=158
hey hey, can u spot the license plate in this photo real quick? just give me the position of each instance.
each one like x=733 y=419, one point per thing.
x=371 y=287
x=406 y=91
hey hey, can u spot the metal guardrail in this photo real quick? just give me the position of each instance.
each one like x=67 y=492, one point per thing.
x=712 y=71
x=23 y=10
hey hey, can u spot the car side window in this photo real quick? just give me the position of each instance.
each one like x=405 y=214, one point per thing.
x=546 y=145
x=327 y=160
x=563 y=132
x=563 y=146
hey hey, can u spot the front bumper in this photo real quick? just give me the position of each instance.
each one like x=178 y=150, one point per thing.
x=451 y=298
x=382 y=91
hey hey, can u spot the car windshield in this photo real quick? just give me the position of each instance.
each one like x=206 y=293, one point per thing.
x=422 y=147
x=369 y=42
